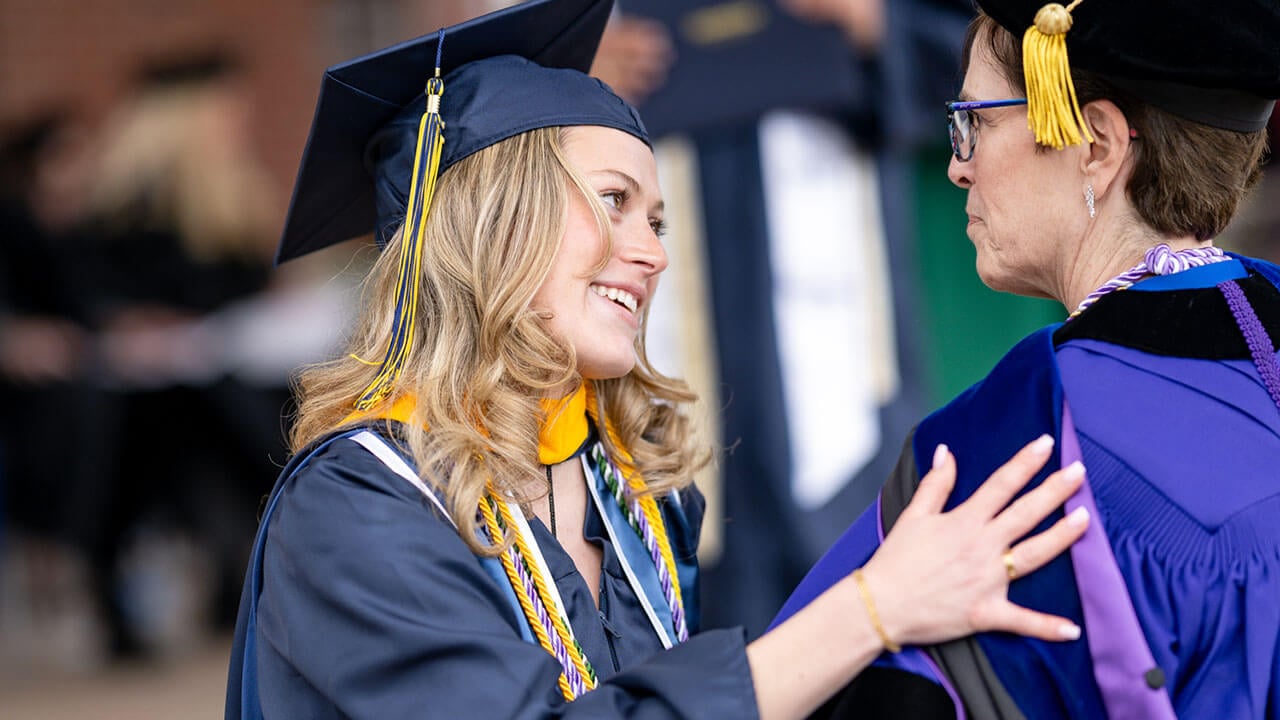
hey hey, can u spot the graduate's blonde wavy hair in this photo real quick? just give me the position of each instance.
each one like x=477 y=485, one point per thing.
x=482 y=356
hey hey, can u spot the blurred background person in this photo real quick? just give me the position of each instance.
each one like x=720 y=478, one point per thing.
x=158 y=322
x=179 y=226
x=49 y=399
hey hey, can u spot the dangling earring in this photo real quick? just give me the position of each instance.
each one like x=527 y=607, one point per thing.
x=1088 y=199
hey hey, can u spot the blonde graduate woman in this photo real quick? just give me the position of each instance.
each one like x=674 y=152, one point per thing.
x=489 y=511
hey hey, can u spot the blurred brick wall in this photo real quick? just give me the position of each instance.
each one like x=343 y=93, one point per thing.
x=81 y=53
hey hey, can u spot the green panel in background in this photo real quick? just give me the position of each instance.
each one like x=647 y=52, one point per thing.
x=968 y=326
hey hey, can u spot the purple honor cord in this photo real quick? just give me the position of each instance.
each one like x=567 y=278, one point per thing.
x=1255 y=335
x=1159 y=260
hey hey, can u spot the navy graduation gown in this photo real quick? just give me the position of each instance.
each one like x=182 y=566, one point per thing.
x=372 y=606
x=1182 y=447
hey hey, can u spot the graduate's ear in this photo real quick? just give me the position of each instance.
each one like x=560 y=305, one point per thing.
x=1105 y=161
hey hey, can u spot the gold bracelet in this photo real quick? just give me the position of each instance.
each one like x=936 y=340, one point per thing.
x=889 y=645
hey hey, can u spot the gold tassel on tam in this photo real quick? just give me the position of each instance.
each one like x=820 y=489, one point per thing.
x=426 y=167
x=1053 y=113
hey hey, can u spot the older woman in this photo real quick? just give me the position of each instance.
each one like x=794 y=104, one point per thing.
x=1105 y=194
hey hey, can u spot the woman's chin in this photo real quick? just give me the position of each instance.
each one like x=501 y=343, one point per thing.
x=606 y=368
x=1002 y=280
x=992 y=276
x=1013 y=284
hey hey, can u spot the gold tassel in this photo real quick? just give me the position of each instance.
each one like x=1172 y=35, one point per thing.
x=1053 y=113
x=426 y=168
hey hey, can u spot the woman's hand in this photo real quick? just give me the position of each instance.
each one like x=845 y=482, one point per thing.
x=936 y=577
x=634 y=56
x=943 y=575
x=863 y=21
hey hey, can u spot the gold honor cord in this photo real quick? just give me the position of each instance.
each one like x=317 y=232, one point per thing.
x=1053 y=113
x=497 y=516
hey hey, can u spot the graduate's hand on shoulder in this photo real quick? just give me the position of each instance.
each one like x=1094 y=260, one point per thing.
x=943 y=575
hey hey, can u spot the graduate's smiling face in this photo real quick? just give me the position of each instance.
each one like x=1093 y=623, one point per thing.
x=1024 y=207
x=598 y=309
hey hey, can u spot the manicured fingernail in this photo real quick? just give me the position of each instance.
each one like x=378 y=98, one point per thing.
x=1072 y=472
x=939 y=455
x=1078 y=517
x=1042 y=445
x=1069 y=631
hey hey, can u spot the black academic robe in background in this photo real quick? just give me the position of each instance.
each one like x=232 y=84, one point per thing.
x=40 y=419
x=770 y=542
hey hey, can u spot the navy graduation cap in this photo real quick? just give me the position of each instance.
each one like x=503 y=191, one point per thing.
x=360 y=150
x=388 y=124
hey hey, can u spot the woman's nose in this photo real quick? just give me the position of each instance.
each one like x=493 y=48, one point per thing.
x=642 y=246
x=960 y=173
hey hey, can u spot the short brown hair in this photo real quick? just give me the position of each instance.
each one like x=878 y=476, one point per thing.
x=1188 y=178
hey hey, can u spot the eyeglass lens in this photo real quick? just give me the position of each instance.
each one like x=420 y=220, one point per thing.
x=962 y=134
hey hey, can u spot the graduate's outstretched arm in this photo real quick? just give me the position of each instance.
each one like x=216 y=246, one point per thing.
x=937 y=576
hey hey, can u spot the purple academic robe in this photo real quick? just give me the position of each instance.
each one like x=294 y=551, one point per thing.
x=1155 y=389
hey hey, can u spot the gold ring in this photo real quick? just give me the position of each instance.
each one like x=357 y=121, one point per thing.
x=1009 y=567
